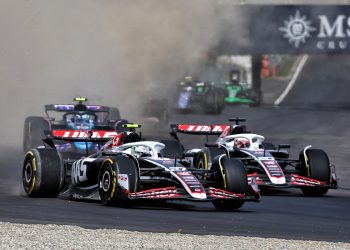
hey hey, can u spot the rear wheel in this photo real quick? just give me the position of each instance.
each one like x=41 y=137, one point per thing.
x=110 y=188
x=42 y=173
x=34 y=127
x=205 y=157
x=318 y=169
x=232 y=178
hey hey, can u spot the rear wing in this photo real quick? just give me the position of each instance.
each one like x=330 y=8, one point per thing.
x=86 y=135
x=71 y=107
x=196 y=129
x=96 y=136
x=79 y=135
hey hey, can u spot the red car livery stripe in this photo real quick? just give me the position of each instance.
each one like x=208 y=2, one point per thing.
x=201 y=128
x=83 y=134
x=304 y=181
x=156 y=193
x=223 y=194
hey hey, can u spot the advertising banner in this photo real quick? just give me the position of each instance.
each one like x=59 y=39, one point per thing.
x=312 y=29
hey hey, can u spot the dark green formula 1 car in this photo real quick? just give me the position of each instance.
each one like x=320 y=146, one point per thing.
x=238 y=93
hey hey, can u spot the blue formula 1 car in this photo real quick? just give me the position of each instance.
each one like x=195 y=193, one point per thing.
x=66 y=119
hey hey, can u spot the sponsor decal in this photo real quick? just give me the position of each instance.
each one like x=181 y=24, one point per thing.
x=79 y=171
x=326 y=31
x=83 y=134
x=156 y=193
x=269 y=162
x=202 y=128
x=117 y=140
x=304 y=181
x=191 y=184
x=183 y=173
x=123 y=181
x=63 y=107
x=189 y=178
x=175 y=168
x=297 y=29
x=225 y=133
x=94 y=107
x=223 y=194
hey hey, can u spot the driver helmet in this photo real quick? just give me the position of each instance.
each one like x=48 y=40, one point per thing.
x=241 y=143
x=79 y=121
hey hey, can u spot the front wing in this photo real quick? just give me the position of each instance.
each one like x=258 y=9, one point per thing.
x=173 y=193
x=296 y=181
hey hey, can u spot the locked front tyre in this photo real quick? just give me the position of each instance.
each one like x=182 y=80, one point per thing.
x=42 y=173
x=232 y=178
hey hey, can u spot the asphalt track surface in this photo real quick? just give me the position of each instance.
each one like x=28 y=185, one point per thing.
x=281 y=214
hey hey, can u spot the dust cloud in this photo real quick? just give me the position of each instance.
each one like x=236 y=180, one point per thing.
x=112 y=52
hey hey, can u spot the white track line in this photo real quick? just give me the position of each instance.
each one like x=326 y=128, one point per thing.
x=292 y=82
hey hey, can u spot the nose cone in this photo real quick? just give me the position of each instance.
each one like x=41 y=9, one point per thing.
x=199 y=195
x=278 y=180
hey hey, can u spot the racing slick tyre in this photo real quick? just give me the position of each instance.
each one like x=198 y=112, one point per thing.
x=205 y=158
x=112 y=173
x=42 y=173
x=232 y=178
x=172 y=149
x=34 y=127
x=318 y=164
x=212 y=102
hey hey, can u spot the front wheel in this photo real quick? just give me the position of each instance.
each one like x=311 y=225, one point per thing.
x=42 y=173
x=232 y=177
x=315 y=166
x=116 y=177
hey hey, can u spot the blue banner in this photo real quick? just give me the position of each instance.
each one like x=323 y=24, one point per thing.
x=320 y=29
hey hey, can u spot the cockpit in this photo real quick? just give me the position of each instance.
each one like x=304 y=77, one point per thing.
x=241 y=141
x=143 y=149
x=80 y=121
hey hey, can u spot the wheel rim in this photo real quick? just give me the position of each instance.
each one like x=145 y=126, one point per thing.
x=28 y=174
x=106 y=181
x=200 y=164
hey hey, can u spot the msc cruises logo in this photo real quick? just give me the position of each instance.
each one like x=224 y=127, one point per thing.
x=297 y=29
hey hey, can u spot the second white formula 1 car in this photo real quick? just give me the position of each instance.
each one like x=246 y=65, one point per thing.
x=270 y=165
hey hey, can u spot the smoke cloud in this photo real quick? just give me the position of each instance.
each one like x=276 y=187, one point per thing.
x=112 y=52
